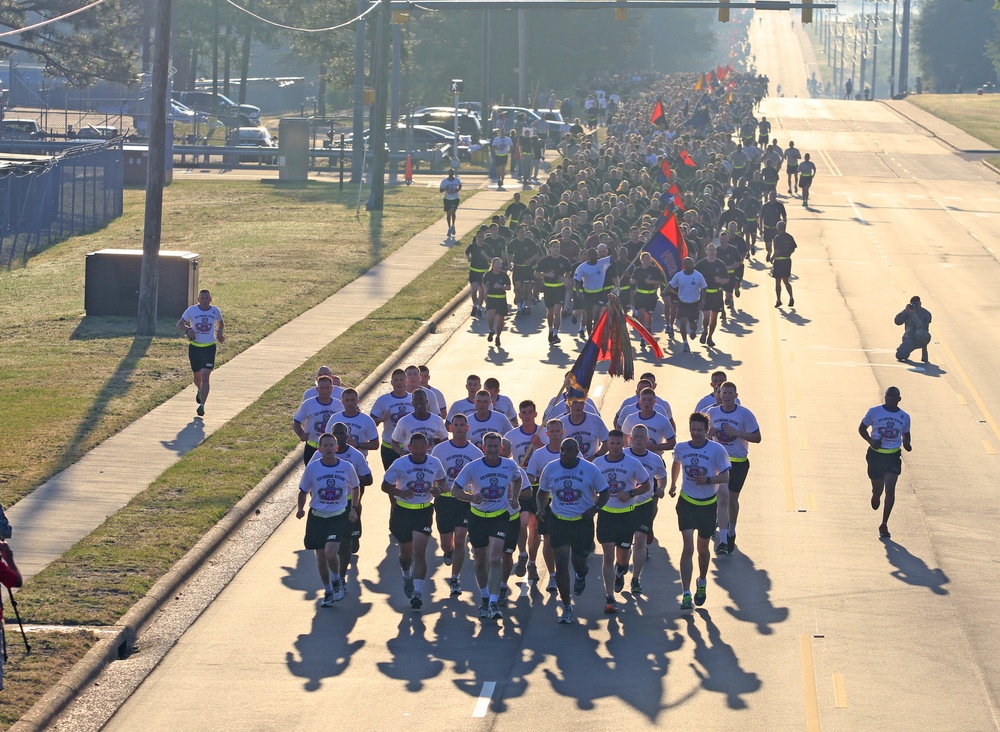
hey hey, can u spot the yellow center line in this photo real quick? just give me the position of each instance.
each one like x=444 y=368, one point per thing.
x=961 y=399
x=990 y=450
x=809 y=684
x=786 y=457
x=839 y=691
x=971 y=389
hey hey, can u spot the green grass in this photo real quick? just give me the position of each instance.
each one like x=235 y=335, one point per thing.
x=109 y=570
x=268 y=253
x=52 y=655
x=977 y=115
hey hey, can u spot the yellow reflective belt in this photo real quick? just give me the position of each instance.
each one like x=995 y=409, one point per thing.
x=555 y=284
x=311 y=443
x=564 y=518
x=515 y=516
x=386 y=444
x=478 y=271
x=780 y=258
x=885 y=452
x=201 y=345
x=592 y=292
x=487 y=514
x=738 y=459
x=498 y=297
x=698 y=502
x=646 y=292
x=627 y=509
x=412 y=505
x=713 y=289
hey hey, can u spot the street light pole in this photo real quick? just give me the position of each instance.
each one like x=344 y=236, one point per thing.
x=904 y=50
x=875 y=51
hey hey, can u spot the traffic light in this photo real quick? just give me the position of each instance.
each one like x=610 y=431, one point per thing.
x=807 y=11
x=723 y=11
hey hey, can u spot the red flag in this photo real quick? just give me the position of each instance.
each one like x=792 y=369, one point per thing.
x=679 y=202
x=720 y=73
x=687 y=159
x=657 y=117
x=645 y=335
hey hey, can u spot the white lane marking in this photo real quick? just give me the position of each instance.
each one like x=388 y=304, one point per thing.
x=598 y=389
x=861 y=219
x=866 y=364
x=863 y=350
x=483 y=703
x=916 y=196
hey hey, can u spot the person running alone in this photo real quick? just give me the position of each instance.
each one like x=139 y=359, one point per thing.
x=784 y=245
x=807 y=173
x=496 y=283
x=450 y=186
x=203 y=325
x=890 y=433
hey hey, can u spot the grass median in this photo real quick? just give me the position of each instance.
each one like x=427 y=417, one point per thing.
x=69 y=381
x=976 y=115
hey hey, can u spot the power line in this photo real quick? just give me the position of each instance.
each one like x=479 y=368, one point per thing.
x=50 y=20
x=293 y=28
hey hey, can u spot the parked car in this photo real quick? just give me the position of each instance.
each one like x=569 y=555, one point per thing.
x=425 y=137
x=184 y=113
x=221 y=106
x=444 y=117
x=97 y=132
x=20 y=129
x=554 y=119
x=254 y=137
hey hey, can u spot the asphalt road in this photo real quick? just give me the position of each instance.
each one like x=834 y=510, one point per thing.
x=815 y=623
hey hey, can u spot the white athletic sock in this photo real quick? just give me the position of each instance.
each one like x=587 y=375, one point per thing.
x=700 y=582
x=418 y=585
x=455 y=577
x=334 y=578
x=329 y=585
x=494 y=598
x=407 y=573
x=723 y=535
x=485 y=594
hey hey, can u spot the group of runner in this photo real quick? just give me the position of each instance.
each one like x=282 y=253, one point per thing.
x=541 y=484
x=584 y=234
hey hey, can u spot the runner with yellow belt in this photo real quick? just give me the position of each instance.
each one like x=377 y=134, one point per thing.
x=807 y=171
x=771 y=213
x=647 y=279
x=734 y=427
x=479 y=264
x=716 y=275
x=553 y=270
x=705 y=466
x=890 y=432
x=313 y=415
x=204 y=326
x=784 y=245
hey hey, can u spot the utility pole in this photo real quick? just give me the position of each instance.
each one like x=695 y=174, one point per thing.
x=376 y=126
x=149 y=277
x=904 y=51
x=522 y=57
x=864 y=49
x=875 y=51
x=357 y=147
x=397 y=52
x=892 y=64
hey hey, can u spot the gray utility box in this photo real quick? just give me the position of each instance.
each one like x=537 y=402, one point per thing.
x=293 y=149
x=112 y=282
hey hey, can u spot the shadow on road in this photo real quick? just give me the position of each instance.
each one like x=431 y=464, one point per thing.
x=717 y=664
x=749 y=589
x=188 y=438
x=914 y=570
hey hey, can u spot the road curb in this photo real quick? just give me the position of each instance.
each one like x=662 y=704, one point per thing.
x=127 y=629
x=935 y=135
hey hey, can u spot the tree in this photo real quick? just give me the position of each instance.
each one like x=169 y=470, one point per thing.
x=84 y=48
x=951 y=43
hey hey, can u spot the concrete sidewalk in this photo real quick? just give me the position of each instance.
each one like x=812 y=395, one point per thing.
x=77 y=500
x=937 y=127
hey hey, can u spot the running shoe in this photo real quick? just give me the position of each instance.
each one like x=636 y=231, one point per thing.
x=197 y=396
x=686 y=604
x=498 y=340
x=580 y=334
x=327 y=599
x=454 y=586
x=722 y=548
x=711 y=343
x=532 y=572
x=736 y=292
x=620 y=579
x=704 y=337
x=609 y=606
x=201 y=410
x=474 y=313
x=448 y=558
x=567 y=615
x=484 y=608
x=700 y=595
x=552 y=337
x=490 y=337
x=791 y=302
x=731 y=544
x=408 y=587
x=417 y=601
x=555 y=338
x=876 y=501
x=521 y=568
x=493 y=612
x=339 y=592
x=636 y=587
x=687 y=348
x=579 y=585
x=777 y=304
x=883 y=531
x=502 y=597
x=527 y=311
x=552 y=585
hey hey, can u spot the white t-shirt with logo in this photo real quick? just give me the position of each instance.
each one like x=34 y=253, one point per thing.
x=329 y=487
x=572 y=489
x=203 y=323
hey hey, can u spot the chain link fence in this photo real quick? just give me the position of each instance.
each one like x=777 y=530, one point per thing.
x=43 y=201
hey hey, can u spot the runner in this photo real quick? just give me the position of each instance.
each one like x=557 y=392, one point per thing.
x=450 y=186
x=763 y=131
x=365 y=479
x=576 y=489
x=890 y=432
x=483 y=419
x=413 y=481
x=311 y=417
x=631 y=404
x=807 y=172
x=479 y=265
x=521 y=441
x=500 y=402
x=734 y=427
x=413 y=383
x=589 y=281
x=784 y=245
x=732 y=258
x=792 y=156
x=362 y=430
x=501 y=147
x=388 y=409
x=659 y=427
x=496 y=283
x=587 y=429
x=204 y=326
x=492 y=484
x=647 y=506
x=554 y=271
x=524 y=253
x=338 y=388
x=425 y=382
x=421 y=420
x=647 y=279
x=716 y=275
x=473 y=384
x=331 y=485
x=554 y=433
x=705 y=465
x=712 y=398
x=771 y=213
x=452 y=515
x=688 y=286
x=627 y=481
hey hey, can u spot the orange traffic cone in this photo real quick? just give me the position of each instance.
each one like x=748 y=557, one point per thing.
x=408 y=175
